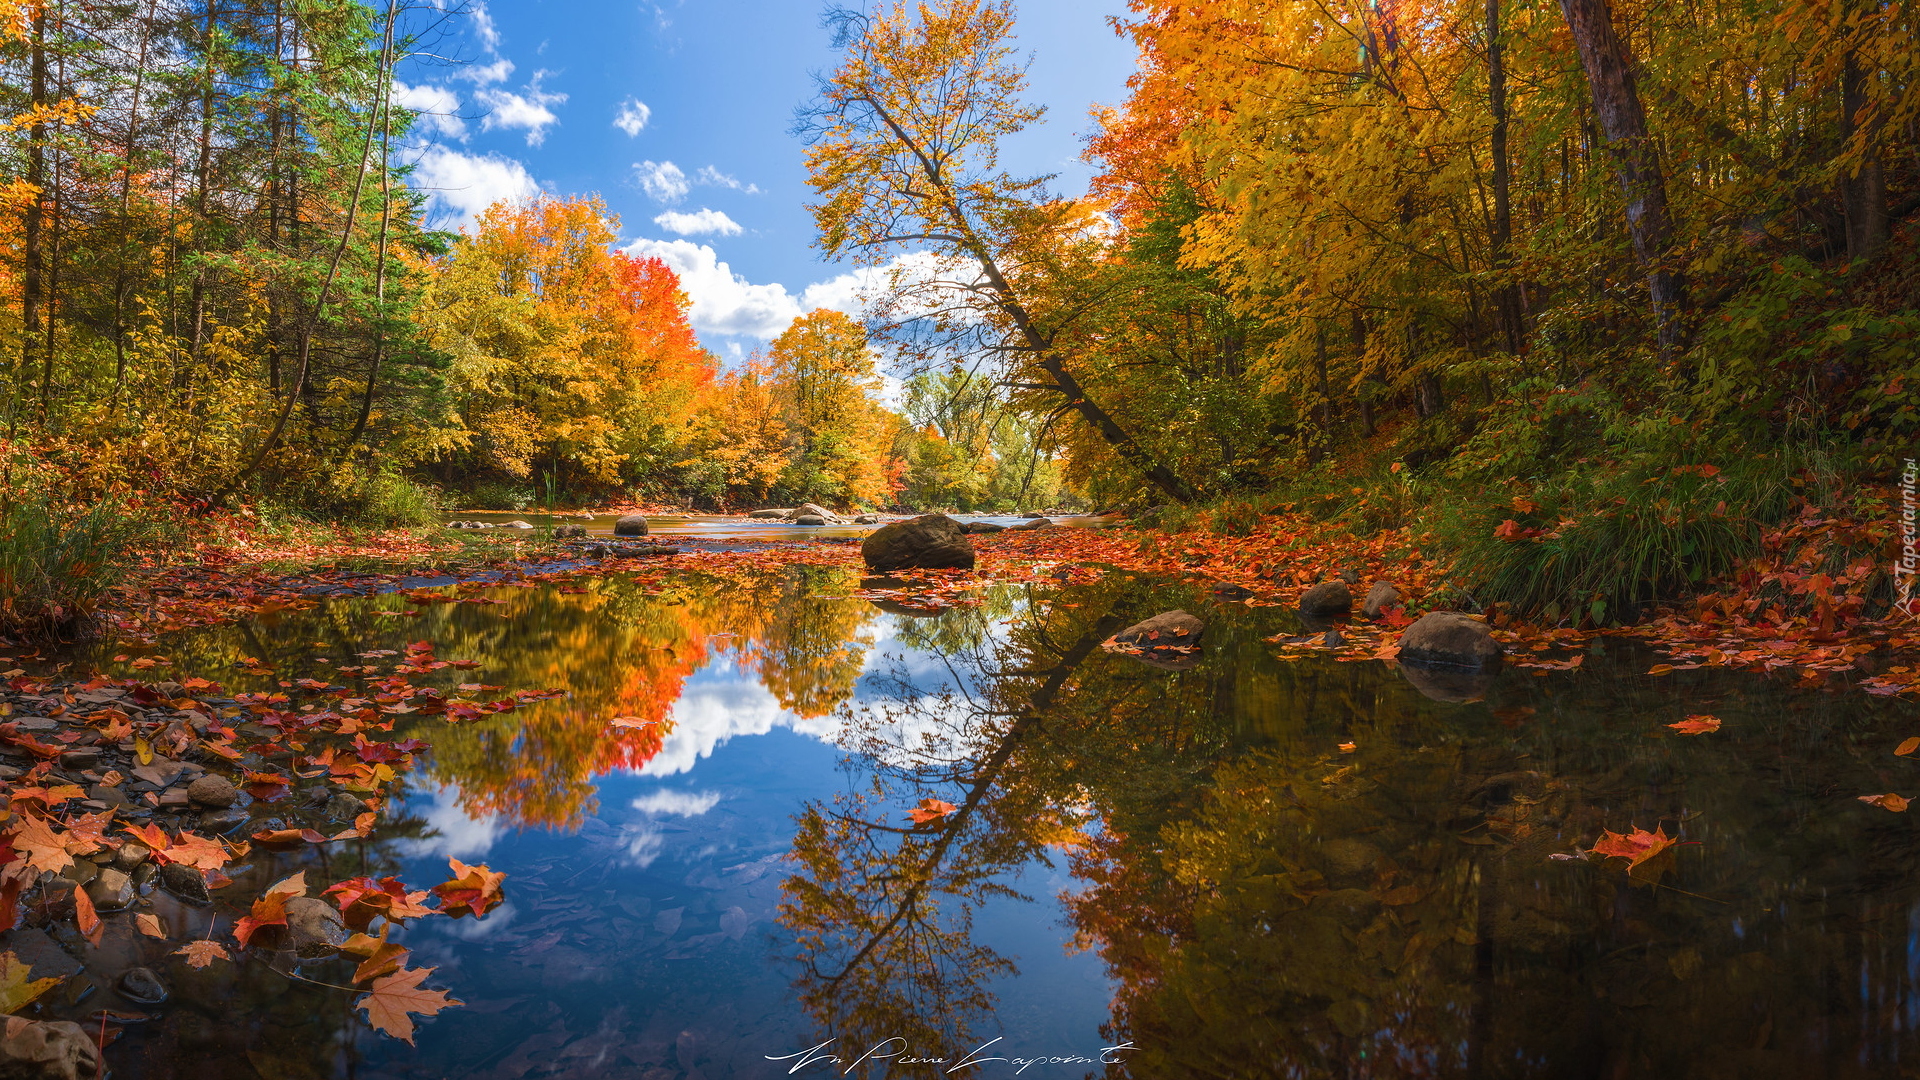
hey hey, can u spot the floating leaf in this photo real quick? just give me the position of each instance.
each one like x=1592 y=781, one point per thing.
x=931 y=810
x=16 y=991
x=1697 y=725
x=390 y=1000
x=1889 y=801
x=201 y=953
x=1907 y=746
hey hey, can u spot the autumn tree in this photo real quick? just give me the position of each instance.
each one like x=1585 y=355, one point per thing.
x=822 y=373
x=904 y=158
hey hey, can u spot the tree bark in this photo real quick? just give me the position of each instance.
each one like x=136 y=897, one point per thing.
x=1623 y=125
x=1863 y=189
x=32 y=229
x=1506 y=296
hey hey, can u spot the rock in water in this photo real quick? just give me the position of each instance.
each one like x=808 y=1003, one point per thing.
x=213 y=791
x=816 y=510
x=185 y=882
x=46 y=1050
x=1033 y=523
x=809 y=519
x=1169 y=640
x=314 y=928
x=978 y=528
x=1383 y=595
x=1450 y=639
x=928 y=542
x=142 y=985
x=631 y=525
x=569 y=532
x=867 y=519
x=770 y=513
x=1327 y=598
x=112 y=890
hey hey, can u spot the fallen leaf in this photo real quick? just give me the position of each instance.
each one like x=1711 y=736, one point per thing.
x=931 y=810
x=1697 y=725
x=1639 y=848
x=1348 y=748
x=149 y=925
x=84 y=915
x=474 y=890
x=1888 y=801
x=201 y=953
x=389 y=1001
x=1907 y=746
x=16 y=991
x=1660 y=669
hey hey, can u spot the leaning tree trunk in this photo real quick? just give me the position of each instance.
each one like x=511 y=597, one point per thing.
x=1623 y=124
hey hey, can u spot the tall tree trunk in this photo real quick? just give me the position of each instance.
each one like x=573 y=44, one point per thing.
x=122 y=276
x=31 y=240
x=1623 y=123
x=1863 y=189
x=203 y=180
x=1506 y=296
x=380 y=252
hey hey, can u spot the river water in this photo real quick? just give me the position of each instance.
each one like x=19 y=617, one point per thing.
x=1267 y=864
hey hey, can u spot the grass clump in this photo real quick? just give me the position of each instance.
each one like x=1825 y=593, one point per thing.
x=58 y=559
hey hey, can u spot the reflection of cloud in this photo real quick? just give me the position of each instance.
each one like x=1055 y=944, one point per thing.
x=456 y=835
x=716 y=704
x=683 y=803
x=643 y=846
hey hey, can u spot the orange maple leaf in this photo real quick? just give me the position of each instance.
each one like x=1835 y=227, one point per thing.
x=1699 y=724
x=391 y=999
x=1889 y=801
x=931 y=810
x=201 y=953
x=474 y=890
x=1637 y=847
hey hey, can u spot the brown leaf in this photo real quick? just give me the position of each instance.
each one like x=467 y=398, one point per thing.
x=201 y=953
x=387 y=958
x=149 y=925
x=1907 y=746
x=391 y=999
x=1888 y=801
x=931 y=810
x=85 y=916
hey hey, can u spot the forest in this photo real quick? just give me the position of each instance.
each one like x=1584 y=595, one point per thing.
x=1531 y=279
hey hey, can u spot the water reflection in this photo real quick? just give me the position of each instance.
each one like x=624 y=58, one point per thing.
x=738 y=876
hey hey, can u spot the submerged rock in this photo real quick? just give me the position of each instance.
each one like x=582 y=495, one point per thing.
x=631 y=525
x=809 y=519
x=1034 y=523
x=314 y=928
x=770 y=513
x=142 y=985
x=977 y=528
x=111 y=890
x=1327 y=598
x=1450 y=639
x=185 y=882
x=867 y=519
x=814 y=509
x=569 y=532
x=46 y=1050
x=928 y=542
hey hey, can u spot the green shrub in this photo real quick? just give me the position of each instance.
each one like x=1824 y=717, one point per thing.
x=393 y=501
x=58 y=559
x=492 y=495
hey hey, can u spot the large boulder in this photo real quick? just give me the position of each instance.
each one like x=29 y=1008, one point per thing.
x=928 y=542
x=1033 y=523
x=777 y=514
x=46 y=1050
x=1382 y=596
x=980 y=528
x=809 y=519
x=814 y=509
x=1448 y=639
x=1169 y=640
x=631 y=525
x=1327 y=598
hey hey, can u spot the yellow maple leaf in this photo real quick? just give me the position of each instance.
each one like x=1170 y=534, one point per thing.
x=16 y=990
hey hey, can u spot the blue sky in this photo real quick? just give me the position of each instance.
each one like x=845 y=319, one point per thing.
x=677 y=114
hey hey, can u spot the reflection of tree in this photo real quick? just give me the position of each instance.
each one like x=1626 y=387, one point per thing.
x=882 y=912
x=622 y=647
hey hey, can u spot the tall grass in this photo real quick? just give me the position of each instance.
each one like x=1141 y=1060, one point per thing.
x=57 y=560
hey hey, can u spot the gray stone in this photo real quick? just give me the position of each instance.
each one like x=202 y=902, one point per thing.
x=1034 y=523
x=809 y=519
x=42 y=955
x=220 y=821
x=569 y=532
x=518 y=524
x=1450 y=639
x=214 y=791
x=780 y=514
x=816 y=510
x=1327 y=598
x=8 y=772
x=631 y=525
x=112 y=890
x=928 y=542
x=112 y=796
x=980 y=528
x=81 y=759
x=36 y=723
x=314 y=928
x=142 y=985
x=867 y=519
x=1333 y=640
x=46 y=1050
x=175 y=799
x=1382 y=596
x=344 y=807
x=81 y=872
x=186 y=883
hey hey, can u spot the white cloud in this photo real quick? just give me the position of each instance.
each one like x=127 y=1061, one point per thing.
x=633 y=116
x=528 y=111
x=703 y=221
x=437 y=107
x=460 y=185
x=484 y=29
x=708 y=176
x=683 y=803
x=723 y=301
x=487 y=73
x=663 y=180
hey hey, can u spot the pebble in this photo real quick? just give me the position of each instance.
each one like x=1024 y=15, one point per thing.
x=186 y=883
x=142 y=985
x=131 y=854
x=216 y=791
x=344 y=807
x=80 y=760
x=221 y=821
x=112 y=890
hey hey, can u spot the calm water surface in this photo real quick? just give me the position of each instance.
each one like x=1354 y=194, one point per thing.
x=1184 y=863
